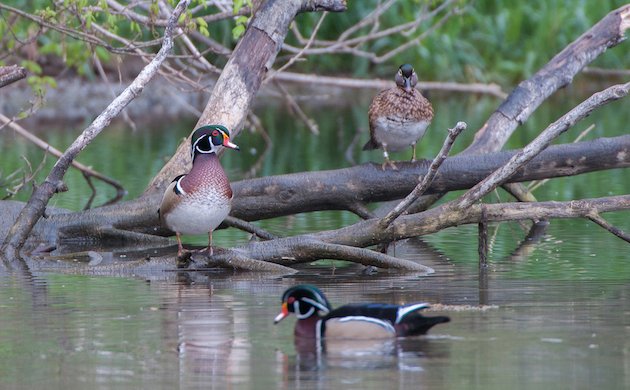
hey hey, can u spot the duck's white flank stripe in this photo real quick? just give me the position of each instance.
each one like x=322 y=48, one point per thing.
x=403 y=311
x=385 y=324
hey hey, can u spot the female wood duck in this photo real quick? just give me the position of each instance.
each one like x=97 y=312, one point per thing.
x=356 y=321
x=199 y=201
x=399 y=116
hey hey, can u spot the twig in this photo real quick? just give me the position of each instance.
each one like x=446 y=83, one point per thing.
x=296 y=57
x=147 y=21
x=101 y=72
x=379 y=59
x=344 y=82
x=595 y=217
x=607 y=72
x=26 y=178
x=371 y=18
x=360 y=209
x=249 y=228
x=76 y=34
x=533 y=186
x=254 y=121
x=36 y=205
x=309 y=122
x=540 y=143
x=519 y=191
x=87 y=171
x=349 y=45
x=427 y=179
x=190 y=45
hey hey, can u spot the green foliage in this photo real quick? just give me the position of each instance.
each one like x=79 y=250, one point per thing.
x=488 y=41
x=37 y=81
x=241 y=21
x=203 y=27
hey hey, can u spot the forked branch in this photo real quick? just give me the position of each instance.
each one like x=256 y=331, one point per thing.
x=427 y=179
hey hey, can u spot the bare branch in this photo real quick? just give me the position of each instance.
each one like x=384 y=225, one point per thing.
x=308 y=44
x=343 y=82
x=595 y=217
x=11 y=74
x=249 y=228
x=304 y=248
x=295 y=108
x=541 y=142
x=427 y=179
x=366 y=233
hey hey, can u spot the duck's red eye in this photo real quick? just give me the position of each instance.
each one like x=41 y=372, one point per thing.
x=215 y=133
x=290 y=300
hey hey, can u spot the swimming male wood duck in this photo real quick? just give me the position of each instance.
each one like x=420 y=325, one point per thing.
x=399 y=116
x=316 y=318
x=199 y=201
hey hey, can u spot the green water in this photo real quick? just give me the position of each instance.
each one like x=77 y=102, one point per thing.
x=558 y=311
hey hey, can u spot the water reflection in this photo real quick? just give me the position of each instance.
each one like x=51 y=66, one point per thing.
x=402 y=354
x=196 y=331
x=396 y=363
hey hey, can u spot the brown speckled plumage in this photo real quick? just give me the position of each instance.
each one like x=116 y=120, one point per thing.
x=398 y=116
x=398 y=103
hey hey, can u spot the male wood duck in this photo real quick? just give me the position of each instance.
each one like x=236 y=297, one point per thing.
x=399 y=116
x=199 y=201
x=317 y=319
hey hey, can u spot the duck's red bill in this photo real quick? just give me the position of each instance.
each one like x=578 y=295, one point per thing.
x=283 y=314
